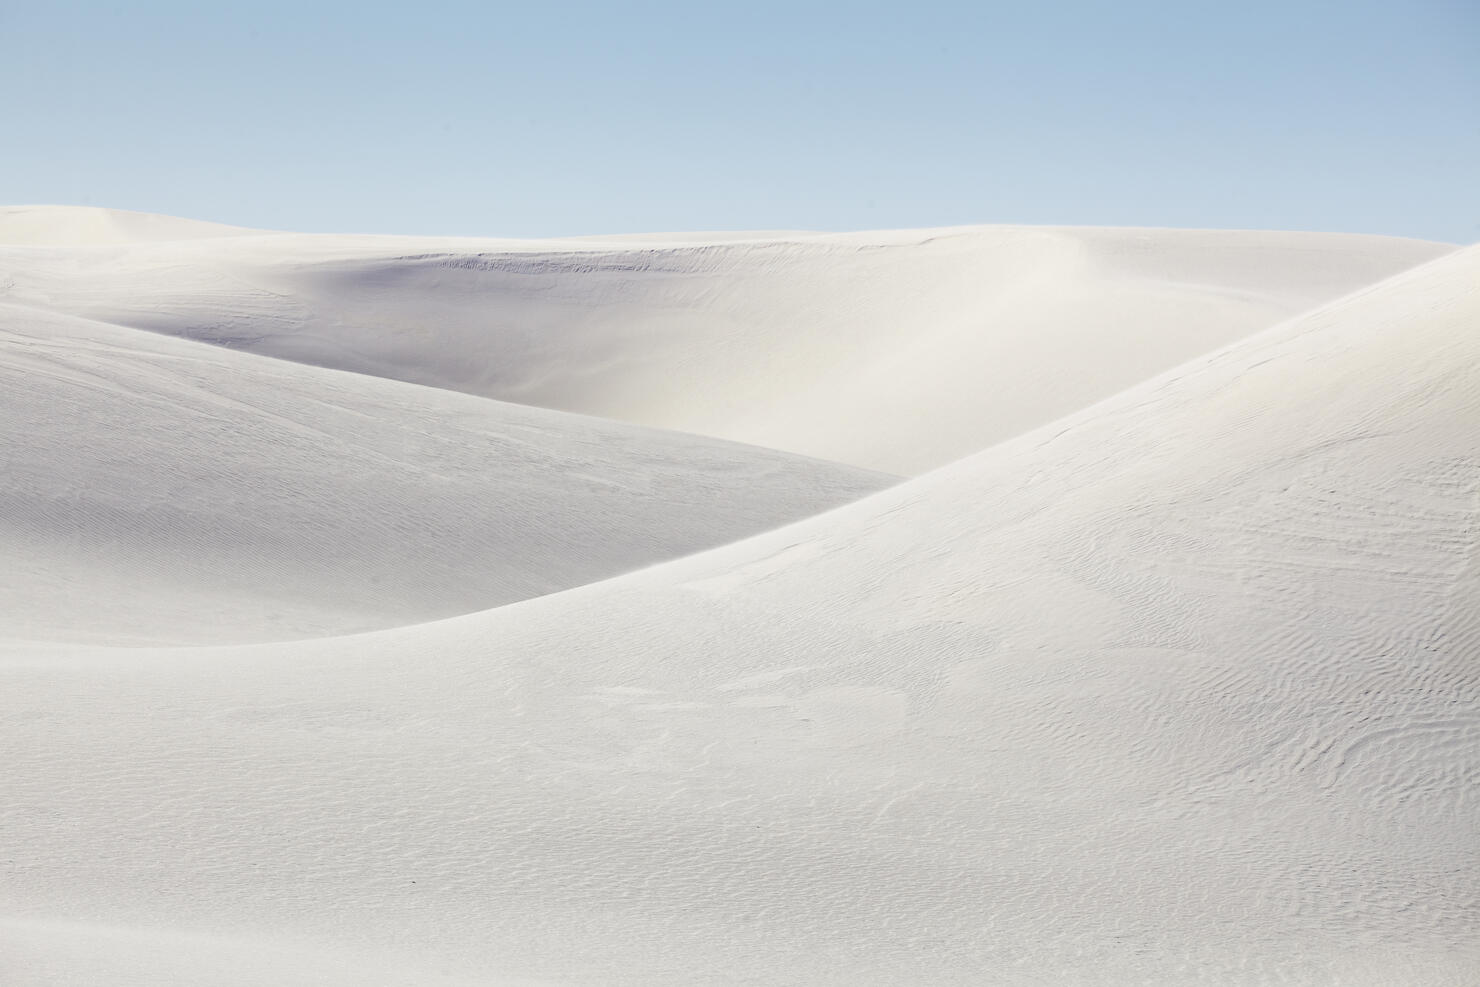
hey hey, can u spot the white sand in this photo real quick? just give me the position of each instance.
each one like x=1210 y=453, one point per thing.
x=162 y=491
x=896 y=351
x=1183 y=688
x=89 y=227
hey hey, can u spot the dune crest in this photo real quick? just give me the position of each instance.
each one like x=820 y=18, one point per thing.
x=90 y=226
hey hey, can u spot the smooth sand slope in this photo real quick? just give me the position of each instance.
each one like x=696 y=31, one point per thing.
x=90 y=226
x=156 y=490
x=1183 y=689
x=897 y=351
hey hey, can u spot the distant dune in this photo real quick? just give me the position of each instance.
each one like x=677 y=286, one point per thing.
x=1178 y=684
x=896 y=351
x=83 y=226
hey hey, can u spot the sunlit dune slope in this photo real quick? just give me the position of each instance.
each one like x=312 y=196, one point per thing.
x=87 y=226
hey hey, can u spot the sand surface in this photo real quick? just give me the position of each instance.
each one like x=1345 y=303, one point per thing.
x=896 y=351
x=1176 y=683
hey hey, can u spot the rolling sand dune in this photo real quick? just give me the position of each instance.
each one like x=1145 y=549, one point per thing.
x=36 y=226
x=161 y=491
x=1183 y=688
x=896 y=351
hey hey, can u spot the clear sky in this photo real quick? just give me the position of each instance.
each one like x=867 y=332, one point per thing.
x=540 y=118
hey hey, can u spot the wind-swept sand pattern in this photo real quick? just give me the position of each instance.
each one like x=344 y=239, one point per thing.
x=1182 y=688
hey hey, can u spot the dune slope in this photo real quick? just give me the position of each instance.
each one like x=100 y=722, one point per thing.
x=156 y=490
x=49 y=226
x=897 y=351
x=1183 y=689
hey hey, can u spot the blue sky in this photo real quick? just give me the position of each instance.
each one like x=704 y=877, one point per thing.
x=537 y=118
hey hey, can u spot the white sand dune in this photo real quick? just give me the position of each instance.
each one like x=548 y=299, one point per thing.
x=49 y=226
x=897 y=351
x=160 y=491
x=1182 y=689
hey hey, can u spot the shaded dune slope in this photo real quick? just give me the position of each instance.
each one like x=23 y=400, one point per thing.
x=1181 y=689
x=156 y=490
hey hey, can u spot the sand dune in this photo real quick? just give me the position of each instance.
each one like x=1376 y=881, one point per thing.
x=896 y=351
x=161 y=491
x=49 y=226
x=1184 y=688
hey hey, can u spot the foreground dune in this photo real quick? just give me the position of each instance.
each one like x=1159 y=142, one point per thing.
x=162 y=491
x=896 y=351
x=1181 y=689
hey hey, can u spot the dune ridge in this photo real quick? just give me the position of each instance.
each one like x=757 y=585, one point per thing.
x=89 y=226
